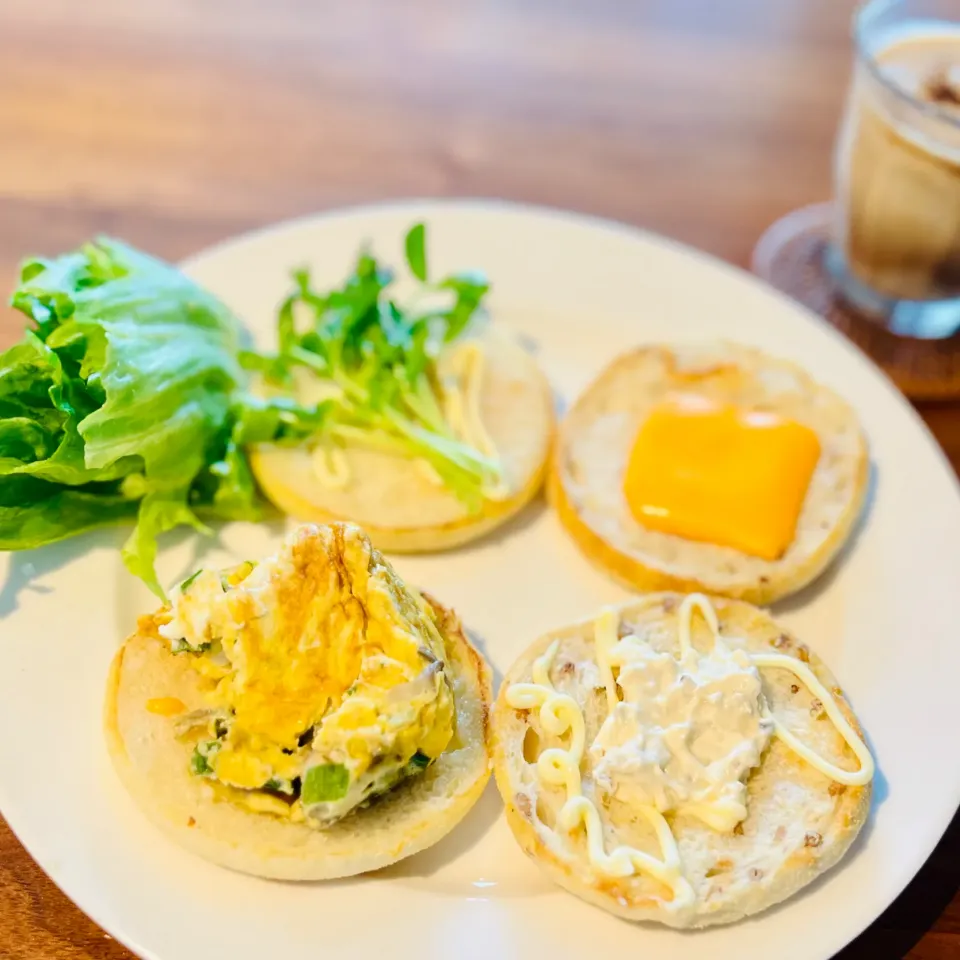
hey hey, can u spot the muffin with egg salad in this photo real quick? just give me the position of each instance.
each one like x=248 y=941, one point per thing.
x=680 y=759
x=435 y=423
x=307 y=716
x=711 y=467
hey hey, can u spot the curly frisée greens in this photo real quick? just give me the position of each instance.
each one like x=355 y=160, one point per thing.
x=126 y=401
x=374 y=361
x=324 y=674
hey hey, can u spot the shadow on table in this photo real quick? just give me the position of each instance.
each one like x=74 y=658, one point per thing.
x=917 y=909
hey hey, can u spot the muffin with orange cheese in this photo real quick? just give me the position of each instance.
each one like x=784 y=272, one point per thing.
x=709 y=467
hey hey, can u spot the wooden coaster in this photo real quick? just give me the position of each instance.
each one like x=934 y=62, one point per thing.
x=789 y=257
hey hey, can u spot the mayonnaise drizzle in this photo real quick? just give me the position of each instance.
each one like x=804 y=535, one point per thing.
x=330 y=466
x=429 y=473
x=462 y=391
x=695 y=601
x=851 y=778
x=605 y=639
x=462 y=398
x=560 y=713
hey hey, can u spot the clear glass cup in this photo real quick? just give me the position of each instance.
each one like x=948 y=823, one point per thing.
x=895 y=247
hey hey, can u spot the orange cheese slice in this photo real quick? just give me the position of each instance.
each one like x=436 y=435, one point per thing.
x=715 y=473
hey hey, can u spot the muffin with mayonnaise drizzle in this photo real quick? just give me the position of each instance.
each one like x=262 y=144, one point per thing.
x=680 y=759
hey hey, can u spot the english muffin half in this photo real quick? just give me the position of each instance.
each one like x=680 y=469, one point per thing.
x=595 y=448
x=399 y=500
x=175 y=712
x=683 y=794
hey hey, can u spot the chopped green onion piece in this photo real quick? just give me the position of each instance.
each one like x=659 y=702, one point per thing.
x=203 y=753
x=199 y=764
x=323 y=783
x=181 y=646
x=186 y=583
x=279 y=786
x=419 y=761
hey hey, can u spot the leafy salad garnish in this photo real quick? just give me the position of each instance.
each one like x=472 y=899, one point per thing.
x=126 y=401
x=129 y=397
x=379 y=359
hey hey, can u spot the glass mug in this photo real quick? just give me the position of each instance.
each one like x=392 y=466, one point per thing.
x=895 y=250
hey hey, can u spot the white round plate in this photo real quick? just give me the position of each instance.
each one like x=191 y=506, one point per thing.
x=884 y=618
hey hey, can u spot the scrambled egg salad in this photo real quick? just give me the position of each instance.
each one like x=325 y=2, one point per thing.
x=325 y=674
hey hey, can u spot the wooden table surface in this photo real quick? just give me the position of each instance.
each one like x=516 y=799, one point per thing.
x=176 y=123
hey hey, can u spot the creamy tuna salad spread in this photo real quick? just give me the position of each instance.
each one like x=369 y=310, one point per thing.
x=681 y=736
x=686 y=732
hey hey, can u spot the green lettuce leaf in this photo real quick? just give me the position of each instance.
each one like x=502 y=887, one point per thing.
x=126 y=400
x=34 y=513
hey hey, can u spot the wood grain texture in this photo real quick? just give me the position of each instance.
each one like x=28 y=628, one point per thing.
x=176 y=123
